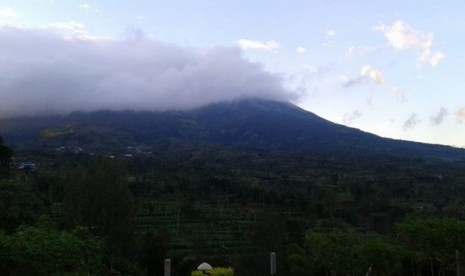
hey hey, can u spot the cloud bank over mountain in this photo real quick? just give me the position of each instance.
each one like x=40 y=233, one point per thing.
x=42 y=72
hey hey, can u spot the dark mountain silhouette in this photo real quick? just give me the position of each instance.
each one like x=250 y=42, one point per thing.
x=247 y=124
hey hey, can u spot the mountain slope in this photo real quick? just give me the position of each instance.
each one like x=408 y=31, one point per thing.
x=248 y=124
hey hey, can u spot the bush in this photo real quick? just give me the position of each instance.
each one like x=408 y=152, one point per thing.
x=45 y=251
x=217 y=271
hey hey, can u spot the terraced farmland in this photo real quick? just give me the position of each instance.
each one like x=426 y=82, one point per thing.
x=218 y=228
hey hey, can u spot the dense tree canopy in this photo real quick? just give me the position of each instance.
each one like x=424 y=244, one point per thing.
x=433 y=241
x=19 y=205
x=45 y=251
x=99 y=197
x=6 y=154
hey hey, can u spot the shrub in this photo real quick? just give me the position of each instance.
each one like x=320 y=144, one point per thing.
x=217 y=271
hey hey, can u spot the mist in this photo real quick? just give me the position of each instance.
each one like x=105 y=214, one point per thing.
x=44 y=73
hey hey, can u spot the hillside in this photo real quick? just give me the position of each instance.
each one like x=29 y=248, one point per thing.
x=232 y=182
x=248 y=124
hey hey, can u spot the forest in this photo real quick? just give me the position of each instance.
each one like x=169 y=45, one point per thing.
x=76 y=213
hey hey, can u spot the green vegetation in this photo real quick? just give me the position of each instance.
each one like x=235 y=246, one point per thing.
x=50 y=133
x=43 y=250
x=198 y=202
x=346 y=253
x=98 y=196
x=6 y=154
x=216 y=271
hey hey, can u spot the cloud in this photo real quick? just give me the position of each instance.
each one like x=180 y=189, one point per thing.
x=460 y=115
x=432 y=58
x=87 y=8
x=348 y=82
x=367 y=74
x=70 y=30
x=439 y=117
x=303 y=82
x=70 y=26
x=8 y=12
x=372 y=73
x=399 y=94
x=331 y=33
x=349 y=118
x=403 y=37
x=411 y=122
x=359 y=51
x=301 y=50
x=43 y=73
x=270 y=45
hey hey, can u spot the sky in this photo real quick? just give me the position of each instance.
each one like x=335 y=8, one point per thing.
x=392 y=68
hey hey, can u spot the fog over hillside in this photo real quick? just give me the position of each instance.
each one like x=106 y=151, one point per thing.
x=42 y=72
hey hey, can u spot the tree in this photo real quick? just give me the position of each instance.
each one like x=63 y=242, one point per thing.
x=333 y=251
x=98 y=197
x=432 y=241
x=6 y=155
x=298 y=261
x=19 y=205
x=43 y=250
x=382 y=254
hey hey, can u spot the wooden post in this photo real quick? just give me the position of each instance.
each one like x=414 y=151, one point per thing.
x=273 y=263
x=369 y=271
x=167 y=267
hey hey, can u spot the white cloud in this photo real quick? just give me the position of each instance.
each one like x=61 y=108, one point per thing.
x=460 y=115
x=70 y=30
x=432 y=59
x=87 y=8
x=372 y=73
x=359 y=51
x=398 y=93
x=70 y=26
x=403 y=37
x=84 y=6
x=270 y=45
x=301 y=50
x=331 y=33
x=59 y=75
x=8 y=12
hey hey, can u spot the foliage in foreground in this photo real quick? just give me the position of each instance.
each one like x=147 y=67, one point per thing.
x=46 y=251
x=420 y=244
x=216 y=271
x=344 y=252
x=432 y=241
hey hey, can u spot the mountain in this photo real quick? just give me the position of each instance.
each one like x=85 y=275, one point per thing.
x=262 y=125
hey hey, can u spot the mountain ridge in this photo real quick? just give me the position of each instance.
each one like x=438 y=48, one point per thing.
x=248 y=124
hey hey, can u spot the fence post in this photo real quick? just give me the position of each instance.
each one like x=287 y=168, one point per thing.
x=273 y=263
x=167 y=267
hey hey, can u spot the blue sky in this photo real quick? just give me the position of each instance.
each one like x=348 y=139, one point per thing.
x=393 y=68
